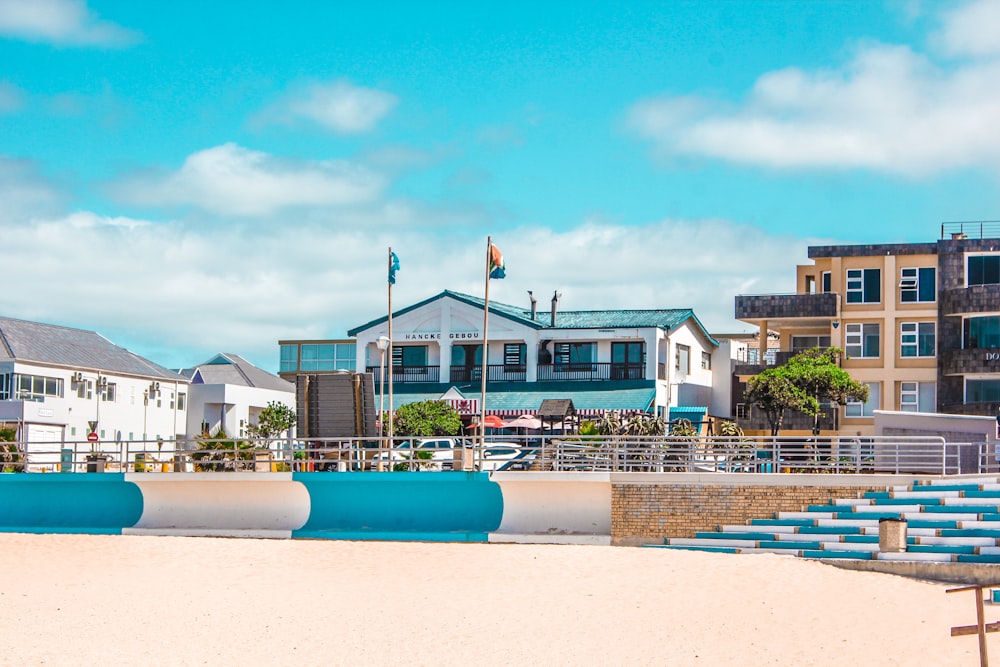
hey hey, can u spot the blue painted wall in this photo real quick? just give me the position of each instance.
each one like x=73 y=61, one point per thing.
x=68 y=503
x=440 y=506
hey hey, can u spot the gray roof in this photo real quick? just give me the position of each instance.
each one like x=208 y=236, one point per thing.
x=228 y=368
x=25 y=341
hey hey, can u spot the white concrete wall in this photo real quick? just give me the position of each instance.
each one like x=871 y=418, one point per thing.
x=230 y=406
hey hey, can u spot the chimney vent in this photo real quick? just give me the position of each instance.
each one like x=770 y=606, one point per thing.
x=534 y=305
x=555 y=303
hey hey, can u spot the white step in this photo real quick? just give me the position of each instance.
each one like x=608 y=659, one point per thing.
x=910 y=556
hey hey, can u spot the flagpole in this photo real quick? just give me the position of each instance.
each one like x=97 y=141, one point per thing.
x=391 y=369
x=486 y=339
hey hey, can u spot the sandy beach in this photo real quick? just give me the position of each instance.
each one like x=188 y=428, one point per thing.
x=124 y=600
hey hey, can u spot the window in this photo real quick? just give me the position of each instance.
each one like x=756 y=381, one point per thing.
x=826 y=282
x=328 y=357
x=982 y=391
x=917 y=396
x=866 y=409
x=406 y=356
x=802 y=343
x=983 y=270
x=682 y=360
x=181 y=401
x=918 y=285
x=514 y=354
x=862 y=340
x=574 y=353
x=810 y=285
x=628 y=361
x=916 y=339
x=706 y=361
x=981 y=332
x=108 y=392
x=85 y=389
x=36 y=387
x=864 y=285
x=289 y=362
x=4 y=386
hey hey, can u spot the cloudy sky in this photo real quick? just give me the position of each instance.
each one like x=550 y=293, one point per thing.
x=194 y=177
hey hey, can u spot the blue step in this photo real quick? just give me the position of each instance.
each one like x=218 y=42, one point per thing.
x=782 y=522
x=984 y=493
x=961 y=509
x=735 y=536
x=875 y=495
x=719 y=550
x=829 y=530
x=930 y=488
x=852 y=555
x=979 y=558
x=868 y=515
x=943 y=524
x=940 y=549
x=907 y=501
x=970 y=532
x=794 y=545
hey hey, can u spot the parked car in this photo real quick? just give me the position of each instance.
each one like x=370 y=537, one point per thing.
x=499 y=456
x=441 y=450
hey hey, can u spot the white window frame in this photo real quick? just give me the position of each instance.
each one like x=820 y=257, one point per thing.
x=857 y=409
x=854 y=336
x=914 y=333
x=859 y=286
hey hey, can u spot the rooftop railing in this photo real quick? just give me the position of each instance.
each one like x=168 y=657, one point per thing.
x=977 y=229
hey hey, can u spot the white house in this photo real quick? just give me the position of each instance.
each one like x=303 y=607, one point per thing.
x=228 y=391
x=657 y=361
x=61 y=385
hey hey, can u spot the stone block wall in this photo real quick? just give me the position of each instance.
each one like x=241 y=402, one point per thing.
x=645 y=513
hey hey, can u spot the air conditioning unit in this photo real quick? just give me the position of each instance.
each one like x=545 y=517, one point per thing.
x=78 y=376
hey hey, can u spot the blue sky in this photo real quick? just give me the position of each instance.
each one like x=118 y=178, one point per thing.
x=188 y=177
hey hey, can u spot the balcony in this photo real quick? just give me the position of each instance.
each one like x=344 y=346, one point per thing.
x=786 y=306
x=494 y=373
x=588 y=372
x=972 y=299
x=972 y=360
x=408 y=373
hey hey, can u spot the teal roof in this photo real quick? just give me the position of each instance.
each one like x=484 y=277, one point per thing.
x=666 y=318
x=640 y=398
x=690 y=413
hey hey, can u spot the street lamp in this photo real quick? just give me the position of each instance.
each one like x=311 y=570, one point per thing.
x=383 y=344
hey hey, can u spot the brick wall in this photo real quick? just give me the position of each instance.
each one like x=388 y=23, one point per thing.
x=645 y=513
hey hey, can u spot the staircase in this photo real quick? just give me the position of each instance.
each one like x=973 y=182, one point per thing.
x=946 y=522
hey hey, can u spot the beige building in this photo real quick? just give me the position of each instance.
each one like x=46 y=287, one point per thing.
x=919 y=323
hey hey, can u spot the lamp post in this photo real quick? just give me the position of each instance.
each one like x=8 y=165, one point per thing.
x=383 y=344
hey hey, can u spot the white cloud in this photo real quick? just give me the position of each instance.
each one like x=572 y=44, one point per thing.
x=177 y=293
x=232 y=180
x=338 y=106
x=60 y=22
x=888 y=109
x=972 y=29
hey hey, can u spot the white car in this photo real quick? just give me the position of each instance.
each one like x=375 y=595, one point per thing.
x=499 y=456
x=441 y=454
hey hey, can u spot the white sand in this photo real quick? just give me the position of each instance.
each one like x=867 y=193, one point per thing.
x=116 y=600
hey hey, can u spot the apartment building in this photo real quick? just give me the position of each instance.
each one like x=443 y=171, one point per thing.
x=919 y=323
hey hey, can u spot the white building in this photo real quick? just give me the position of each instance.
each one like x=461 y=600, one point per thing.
x=59 y=385
x=229 y=392
x=657 y=361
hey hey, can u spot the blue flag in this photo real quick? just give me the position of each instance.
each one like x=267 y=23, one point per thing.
x=393 y=267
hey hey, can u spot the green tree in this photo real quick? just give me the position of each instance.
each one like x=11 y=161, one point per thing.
x=774 y=391
x=806 y=381
x=273 y=420
x=11 y=459
x=425 y=419
x=818 y=373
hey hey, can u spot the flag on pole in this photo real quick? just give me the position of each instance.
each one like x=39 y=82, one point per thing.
x=496 y=263
x=393 y=267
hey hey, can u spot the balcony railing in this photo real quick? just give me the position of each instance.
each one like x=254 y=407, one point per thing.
x=494 y=373
x=408 y=373
x=591 y=371
x=587 y=372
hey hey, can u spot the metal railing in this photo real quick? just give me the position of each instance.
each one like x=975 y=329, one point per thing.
x=912 y=455
x=592 y=371
x=977 y=229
